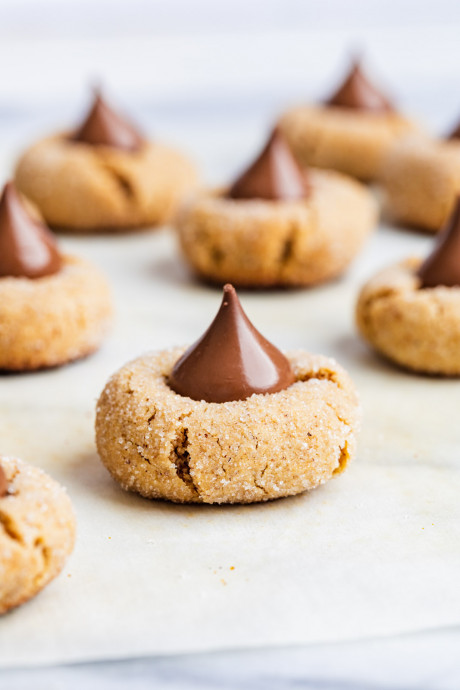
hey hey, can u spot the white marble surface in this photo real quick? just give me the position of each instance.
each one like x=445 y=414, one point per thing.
x=425 y=661
x=208 y=86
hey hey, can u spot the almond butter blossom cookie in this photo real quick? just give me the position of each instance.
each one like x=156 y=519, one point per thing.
x=104 y=176
x=37 y=531
x=277 y=225
x=54 y=308
x=230 y=420
x=350 y=132
x=410 y=312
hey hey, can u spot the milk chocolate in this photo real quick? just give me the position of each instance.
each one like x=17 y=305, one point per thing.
x=231 y=361
x=27 y=248
x=442 y=266
x=358 y=93
x=274 y=175
x=105 y=127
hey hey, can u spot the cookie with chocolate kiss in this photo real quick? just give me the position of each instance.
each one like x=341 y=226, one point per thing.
x=39 y=534
x=54 y=308
x=231 y=419
x=410 y=313
x=104 y=175
x=277 y=224
x=351 y=131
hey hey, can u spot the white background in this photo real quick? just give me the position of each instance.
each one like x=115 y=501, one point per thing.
x=173 y=62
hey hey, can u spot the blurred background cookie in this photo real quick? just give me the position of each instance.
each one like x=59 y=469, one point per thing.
x=104 y=175
x=420 y=178
x=277 y=225
x=349 y=132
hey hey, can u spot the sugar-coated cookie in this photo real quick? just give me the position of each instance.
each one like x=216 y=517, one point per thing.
x=231 y=420
x=410 y=313
x=37 y=531
x=54 y=308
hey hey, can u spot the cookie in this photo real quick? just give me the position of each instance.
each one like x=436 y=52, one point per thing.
x=417 y=329
x=410 y=312
x=351 y=132
x=37 y=531
x=104 y=176
x=420 y=178
x=257 y=239
x=230 y=420
x=54 y=308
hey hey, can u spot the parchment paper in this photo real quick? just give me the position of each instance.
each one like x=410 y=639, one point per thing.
x=373 y=552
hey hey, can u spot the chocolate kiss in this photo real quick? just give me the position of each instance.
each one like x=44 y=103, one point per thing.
x=442 y=266
x=358 y=93
x=455 y=134
x=231 y=361
x=27 y=248
x=274 y=175
x=3 y=483
x=104 y=127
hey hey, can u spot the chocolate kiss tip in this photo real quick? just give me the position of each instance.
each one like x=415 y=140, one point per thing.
x=442 y=266
x=358 y=93
x=27 y=248
x=3 y=483
x=455 y=134
x=104 y=127
x=275 y=175
x=231 y=361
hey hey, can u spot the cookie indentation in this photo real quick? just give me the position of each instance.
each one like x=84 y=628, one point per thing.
x=321 y=375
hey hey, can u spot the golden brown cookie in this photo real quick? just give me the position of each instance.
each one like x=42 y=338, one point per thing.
x=419 y=329
x=420 y=178
x=165 y=445
x=80 y=187
x=276 y=224
x=37 y=531
x=48 y=321
x=351 y=141
x=262 y=243
x=53 y=308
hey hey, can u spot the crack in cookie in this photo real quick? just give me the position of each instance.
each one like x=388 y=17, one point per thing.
x=180 y=457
